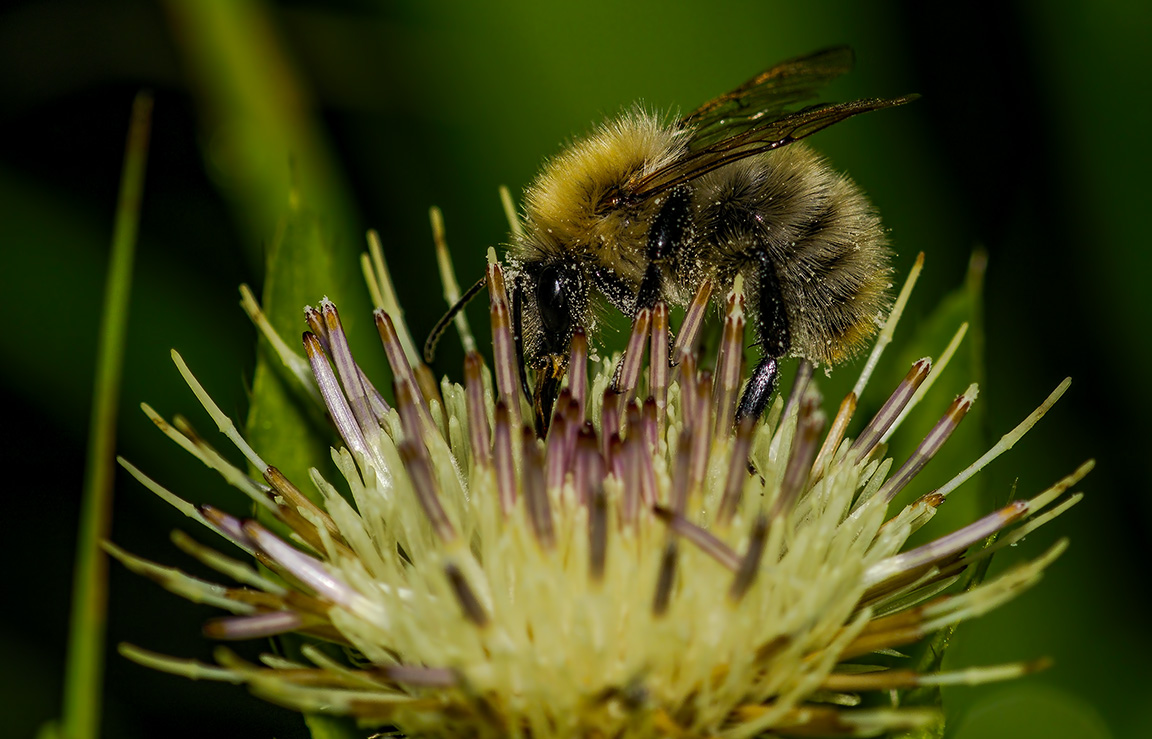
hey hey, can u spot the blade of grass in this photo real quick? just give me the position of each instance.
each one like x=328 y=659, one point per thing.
x=85 y=662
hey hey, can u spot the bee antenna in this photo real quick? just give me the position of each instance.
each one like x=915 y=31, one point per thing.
x=442 y=325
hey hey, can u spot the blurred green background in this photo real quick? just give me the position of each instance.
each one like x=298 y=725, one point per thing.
x=1031 y=140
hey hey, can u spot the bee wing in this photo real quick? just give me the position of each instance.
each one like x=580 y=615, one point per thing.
x=758 y=117
x=767 y=96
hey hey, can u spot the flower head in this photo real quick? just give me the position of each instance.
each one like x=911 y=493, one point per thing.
x=647 y=569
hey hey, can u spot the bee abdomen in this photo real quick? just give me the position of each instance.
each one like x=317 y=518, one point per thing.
x=820 y=233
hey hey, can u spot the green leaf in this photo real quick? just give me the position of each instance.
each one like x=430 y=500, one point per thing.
x=331 y=727
x=971 y=439
x=967 y=443
x=274 y=164
x=303 y=265
x=932 y=732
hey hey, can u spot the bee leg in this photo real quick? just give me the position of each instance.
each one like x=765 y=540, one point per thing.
x=650 y=286
x=614 y=289
x=761 y=385
x=666 y=236
x=775 y=340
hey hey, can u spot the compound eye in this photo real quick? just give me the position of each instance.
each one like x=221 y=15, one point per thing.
x=554 y=299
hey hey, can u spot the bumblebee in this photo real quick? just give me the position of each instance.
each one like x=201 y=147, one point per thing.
x=641 y=211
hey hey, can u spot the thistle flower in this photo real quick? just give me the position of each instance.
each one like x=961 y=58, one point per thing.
x=645 y=570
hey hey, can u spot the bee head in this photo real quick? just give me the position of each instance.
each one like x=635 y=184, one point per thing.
x=550 y=300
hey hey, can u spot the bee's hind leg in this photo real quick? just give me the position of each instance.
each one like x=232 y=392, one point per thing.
x=761 y=385
x=775 y=339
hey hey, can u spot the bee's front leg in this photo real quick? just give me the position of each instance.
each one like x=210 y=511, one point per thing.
x=668 y=233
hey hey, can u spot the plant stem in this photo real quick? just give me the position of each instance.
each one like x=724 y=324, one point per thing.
x=85 y=662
